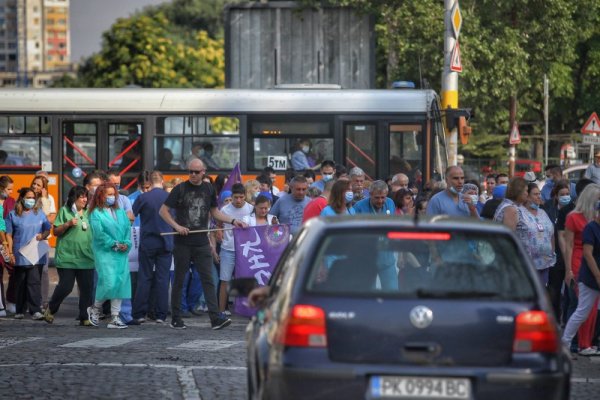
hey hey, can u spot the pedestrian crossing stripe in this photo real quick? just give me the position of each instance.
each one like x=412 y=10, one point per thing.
x=207 y=345
x=100 y=342
x=12 y=340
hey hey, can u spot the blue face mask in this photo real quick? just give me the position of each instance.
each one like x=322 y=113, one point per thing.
x=110 y=201
x=327 y=177
x=29 y=203
x=349 y=196
x=534 y=206
x=453 y=190
x=564 y=200
x=549 y=180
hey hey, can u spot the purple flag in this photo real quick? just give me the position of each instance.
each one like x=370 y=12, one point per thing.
x=235 y=176
x=257 y=251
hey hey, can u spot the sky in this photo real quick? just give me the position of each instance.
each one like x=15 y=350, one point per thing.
x=90 y=18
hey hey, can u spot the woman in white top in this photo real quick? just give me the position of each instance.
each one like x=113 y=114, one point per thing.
x=39 y=184
x=260 y=215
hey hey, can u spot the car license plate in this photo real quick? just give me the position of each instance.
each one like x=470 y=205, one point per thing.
x=420 y=387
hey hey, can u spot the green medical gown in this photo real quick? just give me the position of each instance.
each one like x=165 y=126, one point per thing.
x=112 y=266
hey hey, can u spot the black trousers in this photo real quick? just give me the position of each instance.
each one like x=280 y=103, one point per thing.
x=203 y=261
x=28 y=288
x=66 y=281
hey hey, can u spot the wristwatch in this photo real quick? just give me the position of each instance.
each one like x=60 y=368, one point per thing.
x=232 y=221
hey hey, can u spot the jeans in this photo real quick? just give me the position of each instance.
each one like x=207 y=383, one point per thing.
x=202 y=259
x=152 y=281
x=588 y=304
x=66 y=281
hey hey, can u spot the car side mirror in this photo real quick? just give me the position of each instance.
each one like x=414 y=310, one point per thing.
x=241 y=286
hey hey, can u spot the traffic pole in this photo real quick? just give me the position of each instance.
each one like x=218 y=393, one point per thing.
x=449 y=80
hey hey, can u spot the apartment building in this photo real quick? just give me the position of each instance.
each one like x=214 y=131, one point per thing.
x=34 y=42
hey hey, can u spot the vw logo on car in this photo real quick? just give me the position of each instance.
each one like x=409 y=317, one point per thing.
x=421 y=317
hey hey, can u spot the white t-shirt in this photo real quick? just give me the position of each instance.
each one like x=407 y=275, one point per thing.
x=237 y=213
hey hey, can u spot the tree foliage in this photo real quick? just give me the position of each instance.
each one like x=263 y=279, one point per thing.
x=506 y=48
x=145 y=50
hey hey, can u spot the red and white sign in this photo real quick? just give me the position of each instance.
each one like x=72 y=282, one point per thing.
x=455 y=63
x=515 y=135
x=592 y=125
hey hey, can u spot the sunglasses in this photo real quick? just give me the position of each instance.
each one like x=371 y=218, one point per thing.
x=194 y=172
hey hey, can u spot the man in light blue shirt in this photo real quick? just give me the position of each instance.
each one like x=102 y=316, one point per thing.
x=553 y=175
x=289 y=209
x=379 y=203
x=593 y=170
x=450 y=201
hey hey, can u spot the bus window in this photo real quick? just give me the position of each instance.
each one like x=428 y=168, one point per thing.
x=213 y=139
x=125 y=151
x=25 y=140
x=406 y=143
x=275 y=142
x=360 y=148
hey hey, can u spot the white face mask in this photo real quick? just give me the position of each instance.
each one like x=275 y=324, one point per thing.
x=305 y=149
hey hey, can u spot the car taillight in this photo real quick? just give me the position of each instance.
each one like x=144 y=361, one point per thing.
x=305 y=327
x=535 y=333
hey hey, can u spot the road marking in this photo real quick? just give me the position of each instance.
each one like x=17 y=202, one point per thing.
x=100 y=342
x=13 y=340
x=206 y=345
x=186 y=379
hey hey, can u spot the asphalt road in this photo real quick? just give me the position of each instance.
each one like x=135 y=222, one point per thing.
x=152 y=361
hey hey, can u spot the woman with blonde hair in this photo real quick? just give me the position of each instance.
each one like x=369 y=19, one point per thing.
x=39 y=184
x=584 y=213
x=252 y=189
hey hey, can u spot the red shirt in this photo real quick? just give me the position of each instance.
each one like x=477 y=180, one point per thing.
x=576 y=222
x=314 y=208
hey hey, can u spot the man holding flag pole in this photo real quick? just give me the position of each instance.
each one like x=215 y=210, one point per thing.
x=192 y=202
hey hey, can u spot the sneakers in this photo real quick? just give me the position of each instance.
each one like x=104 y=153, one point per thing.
x=48 y=317
x=177 y=324
x=116 y=323
x=3 y=313
x=197 y=312
x=93 y=316
x=590 y=351
x=11 y=307
x=85 y=322
x=159 y=321
x=220 y=322
x=227 y=313
x=37 y=316
x=141 y=320
x=19 y=316
x=133 y=322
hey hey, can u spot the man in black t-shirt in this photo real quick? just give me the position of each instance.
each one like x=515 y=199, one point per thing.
x=193 y=201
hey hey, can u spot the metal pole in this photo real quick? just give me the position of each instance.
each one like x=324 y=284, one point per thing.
x=449 y=80
x=546 y=138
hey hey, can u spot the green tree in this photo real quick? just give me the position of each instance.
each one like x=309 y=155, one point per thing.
x=141 y=51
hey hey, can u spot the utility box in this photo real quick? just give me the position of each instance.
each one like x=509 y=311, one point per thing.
x=268 y=44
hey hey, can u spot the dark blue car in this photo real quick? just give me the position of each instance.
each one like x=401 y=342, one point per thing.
x=372 y=308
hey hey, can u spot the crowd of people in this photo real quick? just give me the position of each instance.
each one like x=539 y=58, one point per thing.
x=127 y=252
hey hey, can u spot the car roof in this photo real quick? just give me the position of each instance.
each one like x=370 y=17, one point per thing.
x=442 y=222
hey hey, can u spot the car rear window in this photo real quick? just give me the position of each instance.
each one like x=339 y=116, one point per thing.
x=421 y=264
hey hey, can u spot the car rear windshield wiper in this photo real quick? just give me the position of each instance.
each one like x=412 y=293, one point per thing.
x=455 y=294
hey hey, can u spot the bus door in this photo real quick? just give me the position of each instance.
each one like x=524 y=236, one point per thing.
x=360 y=147
x=90 y=144
x=406 y=154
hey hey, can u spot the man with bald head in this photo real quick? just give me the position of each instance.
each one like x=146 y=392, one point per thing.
x=450 y=201
x=193 y=201
x=399 y=181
